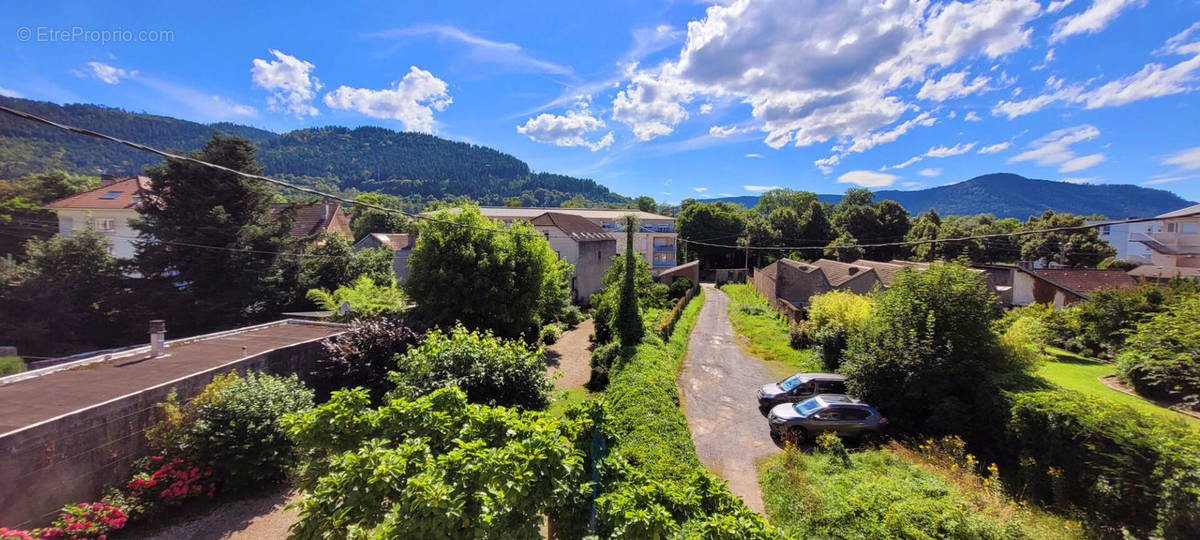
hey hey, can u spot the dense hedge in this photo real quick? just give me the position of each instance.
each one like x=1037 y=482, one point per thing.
x=1162 y=356
x=658 y=487
x=1119 y=467
x=667 y=325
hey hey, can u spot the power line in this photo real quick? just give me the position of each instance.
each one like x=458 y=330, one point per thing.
x=937 y=240
x=259 y=177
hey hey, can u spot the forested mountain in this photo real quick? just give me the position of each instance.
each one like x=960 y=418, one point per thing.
x=1011 y=195
x=413 y=165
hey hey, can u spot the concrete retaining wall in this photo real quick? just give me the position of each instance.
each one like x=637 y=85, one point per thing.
x=72 y=458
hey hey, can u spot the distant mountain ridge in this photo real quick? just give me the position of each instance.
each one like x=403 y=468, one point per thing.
x=1013 y=195
x=365 y=158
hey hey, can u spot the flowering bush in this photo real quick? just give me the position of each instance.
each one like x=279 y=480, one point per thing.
x=14 y=534
x=171 y=482
x=84 y=520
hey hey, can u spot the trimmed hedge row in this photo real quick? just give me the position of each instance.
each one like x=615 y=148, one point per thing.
x=659 y=489
x=1120 y=467
x=667 y=326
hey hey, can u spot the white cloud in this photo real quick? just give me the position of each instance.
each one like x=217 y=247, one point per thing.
x=813 y=70
x=290 y=81
x=972 y=117
x=867 y=178
x=1081 y=163
x=485 y=51
x=568 y=130
x=1045 y=61
x=1186 y=160
x=912 y=185
x=930 y=173
x=706 y=108
x=700 y=189
x=1166 y=179
x=908 y=162
x=1081 y=180
x=1094 y=19
x=650 y=40
x=871 y=140
x=6 y=92
x=952 y=85
x=754 y=155
x=944 y=151
x=759 y=189
x=411 y=101
x=1057 y=6
x=722 y=131
x=204 y=106
x=995 y=148
x=1153 y=80
x=1054 y=147
x=107 y=73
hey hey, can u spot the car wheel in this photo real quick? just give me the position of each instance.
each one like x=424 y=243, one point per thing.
x=796 y=435
x=868 y=439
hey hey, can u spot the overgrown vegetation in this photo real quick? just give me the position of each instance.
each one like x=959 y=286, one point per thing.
x=767 y=332
x=364 y=354
x=1161 y=358
x=11 y=365
x=364 y=297
x=832 y=318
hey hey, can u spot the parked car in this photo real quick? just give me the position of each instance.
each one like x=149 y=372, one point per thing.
x=837 y=413
x=799 y=387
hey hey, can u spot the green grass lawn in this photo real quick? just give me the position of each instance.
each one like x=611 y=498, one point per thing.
x=754 y=318
x=564 y=398
x=1078 y=373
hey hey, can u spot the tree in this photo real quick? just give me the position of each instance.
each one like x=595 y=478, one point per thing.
x=21 y=200
x=372 y=220
x=774 y=199
x=893 y=226
x=1073 y=248
x=924 y=227
x=471 y=269
x=844 y=254
x=646 y=204
x=816 y=231
x=209 y=239
x=628 y=321
x=716 y=222
x=65 y=297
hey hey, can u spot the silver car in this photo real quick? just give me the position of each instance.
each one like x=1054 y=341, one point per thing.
x=837 y=413
x=799 y=387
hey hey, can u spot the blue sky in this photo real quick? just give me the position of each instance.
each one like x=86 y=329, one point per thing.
x=671 y=100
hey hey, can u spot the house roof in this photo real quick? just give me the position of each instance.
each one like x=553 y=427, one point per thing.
x=1152 y=271
x=1194 y=209
x=395 y=241
x=839 y=272
x=530 y=212
x=577 y=227
x=121 y=195
x=1081 y=281
x=311 y=218
x=887 y=271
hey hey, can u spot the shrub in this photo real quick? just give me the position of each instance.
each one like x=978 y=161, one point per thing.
x=233 y=428
x=832 y=318
x=799 y=336
x=441 y=467
x=679 y=288
x=572 y=316
x=551 y=332
x=667 y=324
x=928 y=353
x=14 y=534
x=489 y=370
x=366 y=299
x=1162 y=355
x=84 y=520
x=602 y=359
x=169 y=482
x=1118 y=466
x=364 y=354
x=11 y=365
x=1113 y=263
x=1024 y=333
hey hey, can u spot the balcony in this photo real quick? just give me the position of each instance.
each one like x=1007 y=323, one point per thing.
x=664 y=248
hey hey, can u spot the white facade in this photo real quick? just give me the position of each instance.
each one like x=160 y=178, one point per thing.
x=113 y=223
x=1121 y=236
x=1175 y=242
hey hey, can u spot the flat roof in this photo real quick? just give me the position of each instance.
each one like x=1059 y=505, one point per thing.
x=530 y=212
x=70 y=387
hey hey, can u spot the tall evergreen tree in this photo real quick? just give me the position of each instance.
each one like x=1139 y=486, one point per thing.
x=209 y=241
x=628 y=318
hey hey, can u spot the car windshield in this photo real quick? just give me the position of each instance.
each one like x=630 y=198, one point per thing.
x=807 y=406
x=789 y=383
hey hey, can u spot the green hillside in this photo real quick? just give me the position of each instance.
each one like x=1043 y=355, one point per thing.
x=407 y=164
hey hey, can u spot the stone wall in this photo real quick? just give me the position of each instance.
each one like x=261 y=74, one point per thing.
x=73 y=457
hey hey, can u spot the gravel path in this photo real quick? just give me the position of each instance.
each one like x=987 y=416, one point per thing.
x=254 y=519
x=718 y=383
x=571 y=355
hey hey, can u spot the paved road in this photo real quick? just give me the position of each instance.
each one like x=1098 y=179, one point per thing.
x=718 y=383
x=571 y=355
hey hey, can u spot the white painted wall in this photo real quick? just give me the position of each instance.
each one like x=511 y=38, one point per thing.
x=121 y=236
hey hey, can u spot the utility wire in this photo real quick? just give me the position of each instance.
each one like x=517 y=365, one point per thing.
x=261 y=178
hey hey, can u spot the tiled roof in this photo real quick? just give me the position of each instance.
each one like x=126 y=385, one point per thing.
x=311 y=218
x=578 y=228
x=887 y=271
x=529 y=212
x=1194 y=209
x=839 y=272
x=124 y=194
x=1152 y=271
x=1083 y=280
x=396 y=241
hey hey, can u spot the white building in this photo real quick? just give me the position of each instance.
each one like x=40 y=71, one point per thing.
x=107 y=209
x=1174 y=245
x=1121 y=236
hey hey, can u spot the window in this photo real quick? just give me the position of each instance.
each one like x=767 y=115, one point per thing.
x=1172 y=227
x=1188 y=228
x=597 y=255
x=855 y=414
x=832 y=387
x=102 y=224
x=67 y=225
x=1107 y=230
x=111 y=195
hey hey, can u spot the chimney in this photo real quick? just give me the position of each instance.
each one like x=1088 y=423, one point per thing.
x=158 y=334
x=852 y=270
x=324 y=213
x=107 y=179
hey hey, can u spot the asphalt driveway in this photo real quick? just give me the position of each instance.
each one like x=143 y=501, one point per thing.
x=718 y=383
